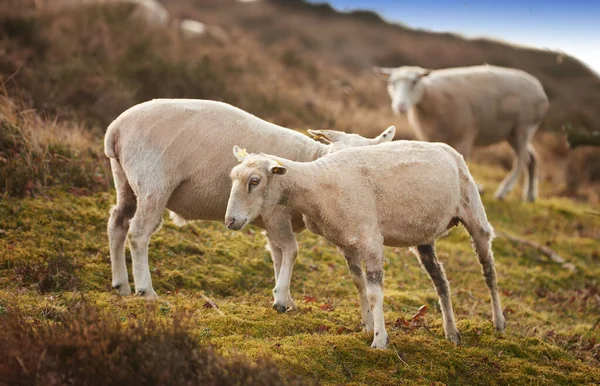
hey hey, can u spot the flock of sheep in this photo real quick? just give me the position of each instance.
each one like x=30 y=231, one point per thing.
x=151 y=12
x=358 y=193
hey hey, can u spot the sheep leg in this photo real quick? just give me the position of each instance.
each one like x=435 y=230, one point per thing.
x=374 y=274
x=146 y=221
x=481 y=237
x=519 y=143
x=277 y=257
x=280 y=232
x=530 y=188
x=360 y=281
x=429 y=261
x=118 y=226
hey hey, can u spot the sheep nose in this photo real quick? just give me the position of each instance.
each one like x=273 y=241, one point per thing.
x=229 y=222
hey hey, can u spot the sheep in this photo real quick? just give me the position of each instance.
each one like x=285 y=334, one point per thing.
x=191 y=29
x=168 y=153
x=401 y=194
x=474 y=106
x=150 y=11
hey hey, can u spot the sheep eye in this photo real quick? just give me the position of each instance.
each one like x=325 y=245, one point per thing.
x=254 y=181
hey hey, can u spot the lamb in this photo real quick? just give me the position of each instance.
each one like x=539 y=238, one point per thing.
x=402 y=194
x=168 y=153
x=474 y=106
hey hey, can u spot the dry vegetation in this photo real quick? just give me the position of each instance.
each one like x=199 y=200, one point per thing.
x=66 y=76
x=308 y=69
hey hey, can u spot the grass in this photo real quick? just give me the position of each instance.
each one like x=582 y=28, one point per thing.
x=54 y=252
x=62 y=323
x=37 y=153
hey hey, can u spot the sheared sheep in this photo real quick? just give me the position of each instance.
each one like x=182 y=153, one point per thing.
x=403 y=193
x=474 y=106
x=170 y=153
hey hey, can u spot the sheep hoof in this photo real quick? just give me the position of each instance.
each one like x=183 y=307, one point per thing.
x=499 y=195
x=147 y=294
x=122 y=289
x=280 y=308
x=454 y=338
x=291 y=305
x=380 y=341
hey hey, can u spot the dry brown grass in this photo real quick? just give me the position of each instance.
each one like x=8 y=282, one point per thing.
x=295 y=64
x=81 y=347
x=36 y=153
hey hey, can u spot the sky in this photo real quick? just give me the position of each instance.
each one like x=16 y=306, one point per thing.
x=570 y=26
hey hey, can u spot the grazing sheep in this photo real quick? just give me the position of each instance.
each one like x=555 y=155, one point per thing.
x=150 y=11
x=192 y=28
x=169 y=153
x=474 y=106
x=403 y=193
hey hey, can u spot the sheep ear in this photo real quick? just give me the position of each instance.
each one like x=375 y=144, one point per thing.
x=318 y=134
x=278 y=168
x=425 y=72
x=239 y=153
x=383 y=71
x=387 y=135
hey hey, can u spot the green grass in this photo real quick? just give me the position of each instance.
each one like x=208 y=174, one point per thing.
x=54 y=253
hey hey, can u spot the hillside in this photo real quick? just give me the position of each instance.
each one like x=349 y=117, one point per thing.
x=358 y=40
x=55 y=275
x=299 y=65
x=66 y=75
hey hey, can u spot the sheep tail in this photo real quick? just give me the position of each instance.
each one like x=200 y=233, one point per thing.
x=111 y=142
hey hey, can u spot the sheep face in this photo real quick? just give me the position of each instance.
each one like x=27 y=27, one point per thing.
x=339 y=140
x=251 y=189
x=406 y=87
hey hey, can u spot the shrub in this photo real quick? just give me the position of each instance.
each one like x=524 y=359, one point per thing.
x=35 y=153
x=84 y=349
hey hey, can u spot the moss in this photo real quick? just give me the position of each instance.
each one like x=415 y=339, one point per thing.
x=550 y=312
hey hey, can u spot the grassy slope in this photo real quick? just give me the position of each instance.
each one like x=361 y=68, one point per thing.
x=53 y=248
x=56 y=244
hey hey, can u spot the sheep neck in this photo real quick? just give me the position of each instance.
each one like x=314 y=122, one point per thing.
x=318 y=150
x=299 y=188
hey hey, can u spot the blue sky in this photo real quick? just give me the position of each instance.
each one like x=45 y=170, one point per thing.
x=570 y=26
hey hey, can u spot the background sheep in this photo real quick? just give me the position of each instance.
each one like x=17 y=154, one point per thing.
x=150 y=11
x=168 y=153
x=404 y=193
x=474 y=106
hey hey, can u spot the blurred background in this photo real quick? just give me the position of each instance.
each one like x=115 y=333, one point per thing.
x=296 y=63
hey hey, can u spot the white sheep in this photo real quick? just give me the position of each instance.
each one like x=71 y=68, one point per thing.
x=169 y=153
x=150 y=11
x=403 y=193
x=474 y=106
x=191 y=29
